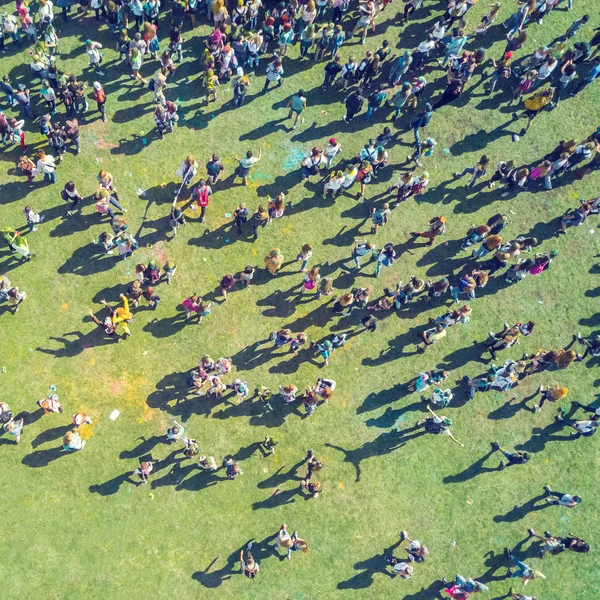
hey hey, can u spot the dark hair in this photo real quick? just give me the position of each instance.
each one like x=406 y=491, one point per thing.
x=70 y=185
x=300 y=92
x=249 y=154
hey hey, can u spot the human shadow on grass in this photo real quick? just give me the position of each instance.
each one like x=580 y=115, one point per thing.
x=112 y=486
x=283 y=303
x=88 y=260
x=42 y=458
x=376 y=400
x=280 y=477
x=477 y=468
x=384 y=444
x=168 y=326
x=174 y=386
x=397 y=348
x=391 y=416
x=261 y=551
x=50 y=435
x=76 y=345
x=518 y=512
x=368 y=569
x=540 y=437
x=144 y=447
x=510 y=408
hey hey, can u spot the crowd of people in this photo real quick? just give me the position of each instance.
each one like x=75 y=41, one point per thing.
x=379 y=86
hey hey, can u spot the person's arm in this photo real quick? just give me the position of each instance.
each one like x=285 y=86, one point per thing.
x=95 y=319
x=454 y=439
x=429 y=409
x=259 y=153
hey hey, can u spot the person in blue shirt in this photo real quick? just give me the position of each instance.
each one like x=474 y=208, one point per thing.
x=590 y=76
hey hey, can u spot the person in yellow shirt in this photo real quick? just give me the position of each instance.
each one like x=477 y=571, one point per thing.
x=121 y=316
x=534 y=105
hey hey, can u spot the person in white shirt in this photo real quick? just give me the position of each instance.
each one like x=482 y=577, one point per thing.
x=92 y=49
x=46 y=165
x=46 y=11
x=331 y=150
x=422 y=52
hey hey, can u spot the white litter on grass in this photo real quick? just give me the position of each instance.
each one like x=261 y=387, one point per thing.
x=204 y=258
x=145 y=352
x=141 y=193
x=114 y=415
x=592 y=231
x=540 y=302
x=512 y=212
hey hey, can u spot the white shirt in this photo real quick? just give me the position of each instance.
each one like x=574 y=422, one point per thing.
x=46 y=11
x=426 y=46
x=47 y=165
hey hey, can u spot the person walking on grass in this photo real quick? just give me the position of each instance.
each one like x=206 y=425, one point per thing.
x=561 y=499
x=438 y=425
x=512 y=458
x=523 y=571
x=297 y=105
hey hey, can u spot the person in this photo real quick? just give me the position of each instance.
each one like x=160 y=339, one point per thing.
x=240 y=216
x=274 y=73
x=297 y=105
x=240 y=88
x=523 y=571
x=214 y=169
x=512 y=458
x=95 y=57
x=477 y=172
x=245 y=165
x=416 y=551
x=175 y=432
x=144 y=470
x=590 y=76
x=269 y=444
x=201 y=193
x=375 y=101
x=386 y=257
x=14 y=428
x=232 y=469
x=207 y=463
x=32 y=218
x=273 y=261
x=47 y=166
x=437 y=227
x=432 y=336
x=72 y=441
x=438 y=425
x=248 y=566
x=533 y=106
x=561 y=499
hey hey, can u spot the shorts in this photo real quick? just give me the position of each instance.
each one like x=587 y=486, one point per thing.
x=298 y=112
x=532 y=113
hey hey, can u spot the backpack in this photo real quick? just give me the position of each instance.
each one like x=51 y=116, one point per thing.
x=202 y=196
x=151 y=85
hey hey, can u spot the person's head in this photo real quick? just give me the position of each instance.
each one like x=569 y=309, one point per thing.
x=585 y=18
x=306 y=248
x=68 y=438
x=41 y=154
x=137 y=37
x=484 y=161
x=577 y=499
x=550 y=61
x=315 y=151
x=311 y=6
x=300 y=93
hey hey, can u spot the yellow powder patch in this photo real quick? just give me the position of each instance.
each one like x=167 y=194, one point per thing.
x=86 y=431
x=341 y=485
x=254 y=251
x=65 y=306
x=92 y=362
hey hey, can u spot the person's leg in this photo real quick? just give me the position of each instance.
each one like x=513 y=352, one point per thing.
x=114 y=202
x=377 y=269
x=370 y=110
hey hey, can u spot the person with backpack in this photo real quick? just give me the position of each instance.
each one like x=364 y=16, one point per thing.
x=438 y=426
x=201 y=194
x=214 y=168
x=512 y=458
x=386 y=258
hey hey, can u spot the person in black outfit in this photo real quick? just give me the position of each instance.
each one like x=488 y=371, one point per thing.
x=354 y=104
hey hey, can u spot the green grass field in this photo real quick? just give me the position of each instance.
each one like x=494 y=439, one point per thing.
x=77 y=527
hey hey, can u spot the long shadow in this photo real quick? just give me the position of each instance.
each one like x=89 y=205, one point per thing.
x=384 y=444
x=144 y=447
x=376 y=400
x=112 y=486
x=472 y=471
x=75 y=346
x=510 y=409
x=88 y=260
x=518 y=512
x=42 y=458
x=368 y=569
x=540 y=437
x=392 y=416
x=278 y=478
x=50 y=435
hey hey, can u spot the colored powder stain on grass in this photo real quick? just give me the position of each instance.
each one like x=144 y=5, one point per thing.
x=293 y=158
x=341 y=485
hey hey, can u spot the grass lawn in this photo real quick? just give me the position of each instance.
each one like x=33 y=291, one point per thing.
x=76 y=527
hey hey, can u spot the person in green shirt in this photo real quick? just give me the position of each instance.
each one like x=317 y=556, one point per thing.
x=9 y=235
x=297 y=104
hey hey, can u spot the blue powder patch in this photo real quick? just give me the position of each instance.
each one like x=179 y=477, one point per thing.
x=294 y=158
